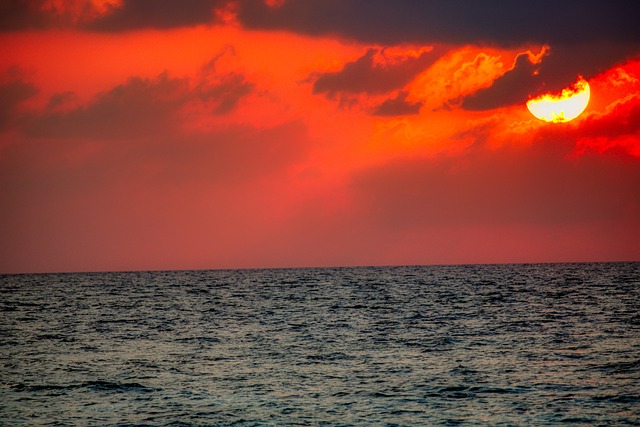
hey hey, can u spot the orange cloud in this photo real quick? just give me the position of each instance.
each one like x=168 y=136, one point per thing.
x=458 y=73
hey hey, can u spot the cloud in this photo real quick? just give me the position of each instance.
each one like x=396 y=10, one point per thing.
x=60 y=100
x=369 y=21
x=585 y=37
x=217 y=160
x=398 y=106
x=611 y=126
x=142 y=106
x=617 y=130
x=513 y=185
x=29 y=14
x=375 y=72
x=558 y=68
x=514 y=87
x=20 y=14
x=159 y=14
x=111 y=16
x=12 y=93
x=621 y=119
x=222 y=90
x=132 y=175
x=139 y=106
x=450 y=21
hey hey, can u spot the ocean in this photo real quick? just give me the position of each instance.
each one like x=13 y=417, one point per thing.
x=470 y=345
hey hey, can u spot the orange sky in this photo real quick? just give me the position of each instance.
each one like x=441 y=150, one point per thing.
x=242 y=141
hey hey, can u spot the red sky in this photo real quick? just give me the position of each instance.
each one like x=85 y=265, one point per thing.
x=230 y=134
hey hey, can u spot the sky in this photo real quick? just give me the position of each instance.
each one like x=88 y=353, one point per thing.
x=205 y=134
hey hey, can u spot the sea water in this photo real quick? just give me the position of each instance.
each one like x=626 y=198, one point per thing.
x=545 y=344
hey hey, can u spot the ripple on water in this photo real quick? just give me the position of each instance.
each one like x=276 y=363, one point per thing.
x=451 y=345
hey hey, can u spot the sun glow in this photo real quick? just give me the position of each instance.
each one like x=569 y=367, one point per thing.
x=564 y=107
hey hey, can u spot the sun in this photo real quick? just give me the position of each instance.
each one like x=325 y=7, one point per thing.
x=563 y=107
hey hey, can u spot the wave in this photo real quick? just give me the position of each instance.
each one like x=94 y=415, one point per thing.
x=103 y=386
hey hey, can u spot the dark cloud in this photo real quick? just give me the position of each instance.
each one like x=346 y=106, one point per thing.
x=158 y=14
x=12 y=94
x=59 y=100
x=375 y=21
x=222 y=91
x=130 y=15
x=366 y=75
x=141 y=106
x=21 y=14
x=565 y=62
x=131 y=109
x=451 y=21
x=398 y=106
x=512 y=88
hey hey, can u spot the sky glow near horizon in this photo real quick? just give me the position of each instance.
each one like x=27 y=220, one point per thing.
x=237 y=134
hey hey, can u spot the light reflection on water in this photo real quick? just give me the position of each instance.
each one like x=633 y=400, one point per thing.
x=471 y=345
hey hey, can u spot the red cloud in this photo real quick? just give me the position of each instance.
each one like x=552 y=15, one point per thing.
x=618 y=129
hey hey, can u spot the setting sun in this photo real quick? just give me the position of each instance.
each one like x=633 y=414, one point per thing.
x=564 y=107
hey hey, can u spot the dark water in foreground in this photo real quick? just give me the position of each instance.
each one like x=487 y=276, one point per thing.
x=404 y=346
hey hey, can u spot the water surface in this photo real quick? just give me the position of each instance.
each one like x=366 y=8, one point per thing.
x=547 y=344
